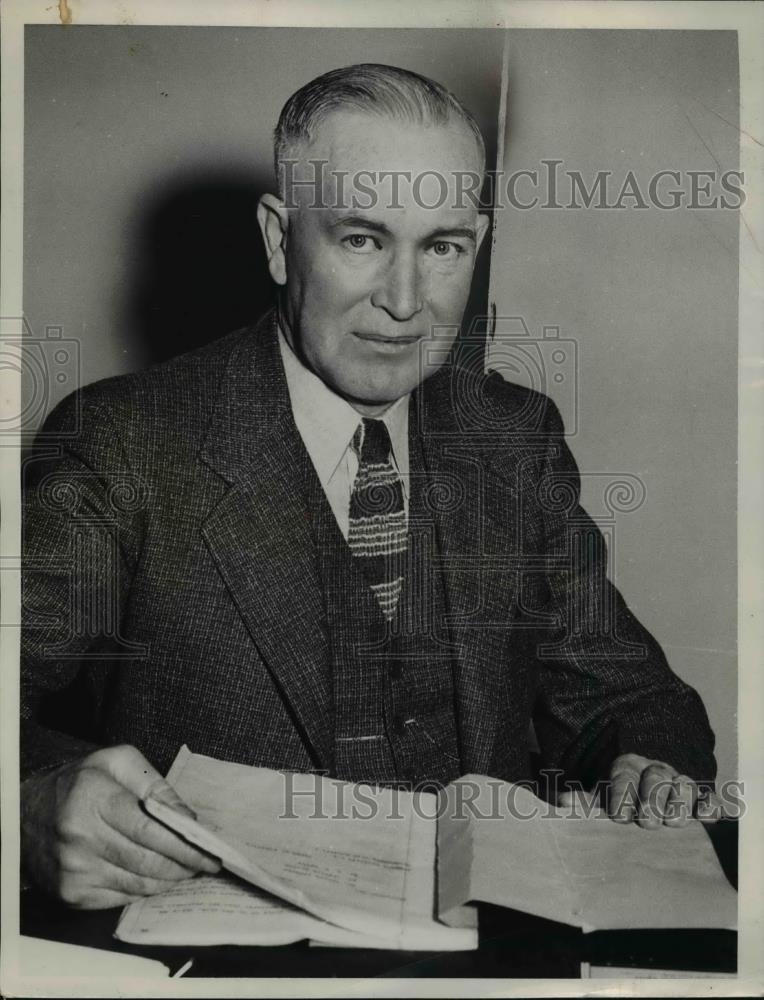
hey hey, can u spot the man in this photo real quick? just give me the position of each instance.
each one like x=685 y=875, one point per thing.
x=329 y=542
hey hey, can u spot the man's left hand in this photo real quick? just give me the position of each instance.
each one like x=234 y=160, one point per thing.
x=652 y=793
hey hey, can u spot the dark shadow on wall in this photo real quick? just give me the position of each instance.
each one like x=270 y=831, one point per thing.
x=200 y=266
x=200 y=269
x=476 y=311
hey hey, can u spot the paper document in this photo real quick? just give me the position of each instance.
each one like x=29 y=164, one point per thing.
x=351 y=865
x=214 y=910
x=498 y=843
x=357 y=857
x=218 y=909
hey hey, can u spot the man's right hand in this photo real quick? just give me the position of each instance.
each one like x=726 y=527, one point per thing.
x=86 y=838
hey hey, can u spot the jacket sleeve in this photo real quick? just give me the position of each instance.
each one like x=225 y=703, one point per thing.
x=605 y=685
x=80 y=536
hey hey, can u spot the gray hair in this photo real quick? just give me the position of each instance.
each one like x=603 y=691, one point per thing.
x=370 y=87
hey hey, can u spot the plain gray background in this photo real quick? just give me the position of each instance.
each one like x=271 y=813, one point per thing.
x=649 y=298
x=146 y=150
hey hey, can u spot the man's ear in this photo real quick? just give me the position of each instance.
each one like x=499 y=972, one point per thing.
x=273 y=219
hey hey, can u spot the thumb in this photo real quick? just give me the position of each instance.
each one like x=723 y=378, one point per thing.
x=128 y=766
x=163 y=792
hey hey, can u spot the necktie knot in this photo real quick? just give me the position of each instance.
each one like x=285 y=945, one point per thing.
x=371 y=442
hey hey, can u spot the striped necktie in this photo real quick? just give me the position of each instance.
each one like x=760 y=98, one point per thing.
x=378 y=535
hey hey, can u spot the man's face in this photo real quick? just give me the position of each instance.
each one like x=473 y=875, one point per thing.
x=365 y=287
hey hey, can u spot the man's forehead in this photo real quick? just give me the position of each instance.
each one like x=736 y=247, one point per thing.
x=356 y=141
x=364 y=162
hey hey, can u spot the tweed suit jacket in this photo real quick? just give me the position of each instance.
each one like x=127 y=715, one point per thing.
x=171 y=593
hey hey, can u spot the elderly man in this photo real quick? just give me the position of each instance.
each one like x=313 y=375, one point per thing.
x=330 y=541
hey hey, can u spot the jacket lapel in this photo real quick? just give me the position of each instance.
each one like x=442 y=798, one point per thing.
x=469 y=504
x=259 y=535
x=261 y=540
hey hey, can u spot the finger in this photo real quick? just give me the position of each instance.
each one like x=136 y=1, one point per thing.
x=623 y=796
x=106 y=899
x=89 y=898
x=82 y=855
x=100 y=884
x=125 y=853
x=127 y=765
x=681 y=801
x=132 y=821
x=164 y=792
x=113 y=878
x=655 y=786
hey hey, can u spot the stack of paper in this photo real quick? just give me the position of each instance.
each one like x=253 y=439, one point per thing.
x=498 y=843
x=340 y=863
x=347 y=864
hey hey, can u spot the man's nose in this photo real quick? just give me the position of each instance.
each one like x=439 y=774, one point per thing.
x=399 y=292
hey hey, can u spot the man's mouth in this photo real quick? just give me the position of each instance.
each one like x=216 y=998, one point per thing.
x=397 y=341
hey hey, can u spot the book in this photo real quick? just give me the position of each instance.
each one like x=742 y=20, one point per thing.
x=348 y=864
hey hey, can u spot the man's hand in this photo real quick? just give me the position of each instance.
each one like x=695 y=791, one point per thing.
x=86 y=838
x=653 y=794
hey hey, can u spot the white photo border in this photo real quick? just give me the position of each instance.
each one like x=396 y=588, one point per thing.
x=745 y=18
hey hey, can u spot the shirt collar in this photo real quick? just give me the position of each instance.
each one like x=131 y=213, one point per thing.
x=326 y=422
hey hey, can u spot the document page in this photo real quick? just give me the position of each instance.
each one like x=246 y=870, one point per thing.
x=358 y=857
x=221 y=909
x=214 y=909
x=500 y=844
x=625 y=877
x=486 y=853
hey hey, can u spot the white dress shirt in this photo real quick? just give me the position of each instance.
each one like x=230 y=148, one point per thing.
x=326 y=423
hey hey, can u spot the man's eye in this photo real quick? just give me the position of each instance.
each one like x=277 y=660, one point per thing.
x=443 y=248
x=361 y=243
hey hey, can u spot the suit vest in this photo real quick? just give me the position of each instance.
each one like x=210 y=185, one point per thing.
x=392 y=682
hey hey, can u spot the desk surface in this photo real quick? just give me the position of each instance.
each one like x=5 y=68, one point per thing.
x=512 y=944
